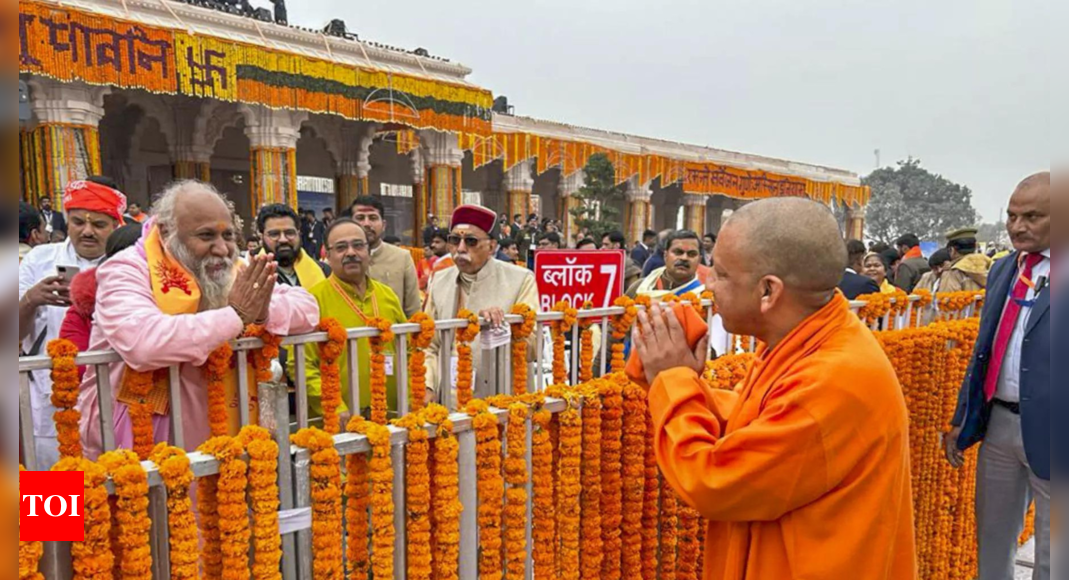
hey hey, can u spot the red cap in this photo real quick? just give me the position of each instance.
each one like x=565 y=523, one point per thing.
x=90 y=196
x=474 y=215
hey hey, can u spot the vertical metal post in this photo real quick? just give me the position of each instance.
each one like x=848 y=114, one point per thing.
x=573 y=362
x=26 y=434
x=400 y=372
x=606 y=336
x=469 y=518
x=174 y=383
x=445 y=369
x=400 y=511
x=352 y=350
x=275 y=417
x=56 y=563
x=300 y=369
x=243 y=387
x=529 y=563
x=540 y=347
x=161 y=537
x=302 y=469
x=104 y=401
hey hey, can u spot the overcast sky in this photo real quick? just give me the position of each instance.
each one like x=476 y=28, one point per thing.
x=960 y=84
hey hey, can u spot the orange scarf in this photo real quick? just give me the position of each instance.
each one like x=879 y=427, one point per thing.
x=914 y=253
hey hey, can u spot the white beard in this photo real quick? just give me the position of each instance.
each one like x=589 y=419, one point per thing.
x=214 y=289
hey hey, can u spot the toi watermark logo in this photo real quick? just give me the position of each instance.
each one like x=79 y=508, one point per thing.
x=51 y=506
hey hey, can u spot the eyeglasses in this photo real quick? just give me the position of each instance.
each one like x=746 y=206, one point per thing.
x=469 y=241
x=275 y=235
x=344 y=247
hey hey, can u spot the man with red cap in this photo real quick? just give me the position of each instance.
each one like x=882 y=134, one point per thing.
x=93 y=210
x=477 y=283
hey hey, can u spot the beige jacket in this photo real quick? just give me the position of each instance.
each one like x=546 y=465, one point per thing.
x=497 y=285
x=966 y=274
x=394 y=267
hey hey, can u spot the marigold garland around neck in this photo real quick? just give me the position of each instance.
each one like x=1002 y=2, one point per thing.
x=65 y=388
x=417 y=360
x=544 y=526
x=30 y=556
x=379 y=344
x=264 y=500
x=465 y=368
x=569 y=509
x=490 y=488
x=516 y=494
x=330 y=353
x=559 y=331
x=215 y=372
x=232 y=505
x=326 y=503
x=131 y=489
x=591 y=483
x=417 y=497
x=382 y=508
x=446 y=496
x=177 y=475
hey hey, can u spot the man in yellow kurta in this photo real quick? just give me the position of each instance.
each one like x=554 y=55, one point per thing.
x=803 y=471
x=352 y=298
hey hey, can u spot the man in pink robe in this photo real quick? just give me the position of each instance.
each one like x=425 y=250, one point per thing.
x=197 y=232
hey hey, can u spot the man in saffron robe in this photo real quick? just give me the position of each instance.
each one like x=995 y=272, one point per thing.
x=352 y=298
x=173 y=299
x=803 y=471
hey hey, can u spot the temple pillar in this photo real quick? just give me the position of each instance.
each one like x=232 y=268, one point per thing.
x=443 y=161
x=64 y=144
x=520 y=185
x=354 y=167
x=694 y=214
x=192 y=162
x=638 y=210
x=191 y=158
x=273 y=136
x=569 y=200
x=855 y=223
x=419 y=196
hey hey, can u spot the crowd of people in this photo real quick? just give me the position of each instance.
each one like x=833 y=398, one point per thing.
x=165 y=288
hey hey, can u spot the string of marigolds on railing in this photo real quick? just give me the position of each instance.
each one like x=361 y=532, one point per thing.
x=586 y=347
x=417 y=497
x=621 y=326
x=417 y=360
x=590 y=474
x=30 y=556
x=177 y=478
x=520 y=333
x=516 y=494
x=216 y=372
x=326 y=504
x=545 y=513
x=380 y=482
x=261 y=362
x=65 y=387
x=465 y=368
x=446 y=497
x=330 y=352
x=378 y=380
x=558 y=331
x=490 y=487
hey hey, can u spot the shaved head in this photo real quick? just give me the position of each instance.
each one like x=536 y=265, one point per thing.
x=795 y=239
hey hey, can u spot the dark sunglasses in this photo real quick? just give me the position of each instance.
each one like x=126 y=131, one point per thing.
x=469 y=241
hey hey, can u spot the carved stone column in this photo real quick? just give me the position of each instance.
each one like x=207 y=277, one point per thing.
x=273 y=136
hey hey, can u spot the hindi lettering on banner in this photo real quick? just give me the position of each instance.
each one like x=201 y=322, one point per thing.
x=579 y=277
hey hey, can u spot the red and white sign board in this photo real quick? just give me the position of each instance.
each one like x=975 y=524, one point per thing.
x=579 y=277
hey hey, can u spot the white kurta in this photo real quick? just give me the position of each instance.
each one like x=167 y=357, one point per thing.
x=39 y=264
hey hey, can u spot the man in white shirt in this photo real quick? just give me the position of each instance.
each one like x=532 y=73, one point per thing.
x=94 y=211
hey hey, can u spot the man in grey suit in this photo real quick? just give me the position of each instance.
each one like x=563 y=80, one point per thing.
x=1006 y=399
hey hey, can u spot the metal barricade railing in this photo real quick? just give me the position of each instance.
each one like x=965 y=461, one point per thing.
x=294 y=463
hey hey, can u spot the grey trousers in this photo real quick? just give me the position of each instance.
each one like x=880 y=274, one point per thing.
x=1004 y=486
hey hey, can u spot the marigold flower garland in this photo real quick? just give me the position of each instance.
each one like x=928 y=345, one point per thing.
x=382 y=508
x=545 y=513
x=591 y=478
x=688 y=543
x=177 y=477
x=212 y=550
x=586 y=347
x=326 y=503
x=669 y=531
x=634 y=477
x=139 y=385
x=446 y=498
x=611 y=480
x=357 y=502
x=465 y=369
x=571 y=443
x=261 y=361
x=216 y=370
x=264 y=492
x=65 y=387
x=491 y=488
x=559 y=331
x=520 y=333
x=621 y=327
x=131 y=488
x=378 y=369
x=650 y=500
x=726 y=372
x=417 y=360
x=330 y=353
x=708 y=295
x=417 y=497
x=30 y=556
x=924 y=302
x=93 y=559
x=231 y=505
x=516 y=494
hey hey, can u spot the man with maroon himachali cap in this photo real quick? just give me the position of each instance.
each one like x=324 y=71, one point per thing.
x=477 y=283
x=93 y=212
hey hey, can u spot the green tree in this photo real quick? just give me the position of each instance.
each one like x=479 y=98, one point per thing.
x=599 y=197
x=912 y=200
